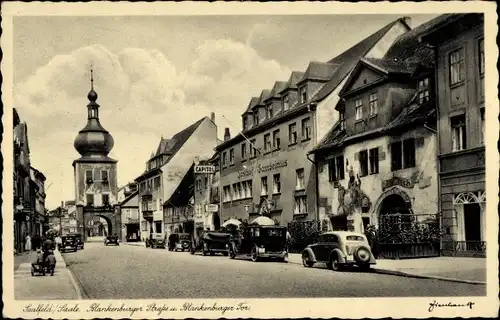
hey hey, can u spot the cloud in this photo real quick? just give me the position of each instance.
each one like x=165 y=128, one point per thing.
x=142 y=95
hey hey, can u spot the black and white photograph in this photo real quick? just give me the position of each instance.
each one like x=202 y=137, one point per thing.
x=249 y=160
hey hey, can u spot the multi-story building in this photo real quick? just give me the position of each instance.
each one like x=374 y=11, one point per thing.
x=23 y=195
x=38 y=195
x=459 y=44
x=264 y=169
x=379 y=160
x=206 y=195
x=129 y=209
x=167 y=174
x=95 y=174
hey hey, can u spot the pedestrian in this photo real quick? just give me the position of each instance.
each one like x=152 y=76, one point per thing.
x=58 y=242
x=27 y=245
x=50 y=262
x=39 y=258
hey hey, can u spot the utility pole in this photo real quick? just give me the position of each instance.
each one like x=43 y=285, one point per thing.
x=60 y=218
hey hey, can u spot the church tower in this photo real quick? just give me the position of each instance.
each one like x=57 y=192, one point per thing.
x=96 y=188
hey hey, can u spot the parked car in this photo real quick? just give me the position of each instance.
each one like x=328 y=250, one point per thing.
x=257 y=242
x=339 y=249
x=69 y=243
x=112 y=239
x=179 y=241
x=78 y=239
x=158 y=241
x=211 y=242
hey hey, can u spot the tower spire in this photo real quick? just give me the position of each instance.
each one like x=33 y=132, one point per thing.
x=91 y=78
x=92 y=96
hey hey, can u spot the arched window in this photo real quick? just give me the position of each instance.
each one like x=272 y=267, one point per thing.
x=465 y=198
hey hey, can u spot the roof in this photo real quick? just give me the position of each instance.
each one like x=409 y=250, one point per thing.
x=411 y=114
x=277 y=88
x=184 y=190
x=348 y=59
x=391 y=66
x=442 y=21
x=295 y=77
x=130 y=197
x=176 y=142
x=320 y=71
x=263 y=96
x=253 y=102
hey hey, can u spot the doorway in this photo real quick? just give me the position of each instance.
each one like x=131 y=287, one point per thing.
x=472 y=222
x=216 y=221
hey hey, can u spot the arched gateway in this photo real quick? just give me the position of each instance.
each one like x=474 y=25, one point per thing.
x=95 y=173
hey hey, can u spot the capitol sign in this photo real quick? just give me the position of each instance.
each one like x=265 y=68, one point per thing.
x=204 y=169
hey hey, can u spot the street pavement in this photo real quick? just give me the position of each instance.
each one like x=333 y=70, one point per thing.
x=135 y=272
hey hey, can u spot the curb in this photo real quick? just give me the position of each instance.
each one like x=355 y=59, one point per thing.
x=72 y=279
x=418 y=276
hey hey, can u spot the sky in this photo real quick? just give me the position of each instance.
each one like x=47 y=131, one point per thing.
x=156 y=75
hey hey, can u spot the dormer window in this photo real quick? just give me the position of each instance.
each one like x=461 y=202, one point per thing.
x=342 y=120
x=269 y=111
x=423 y=91
x=286 y=102
x=303 y=94
x=245 y=123
x=358 y=106
x=255 y=118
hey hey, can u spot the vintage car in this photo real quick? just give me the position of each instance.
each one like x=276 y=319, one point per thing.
x=339 y=249
x=157 y=241
x=179 y=242
x=259 y=242
x=211 y=242
x=112 y=239
x=78 y=239
x=68 y=243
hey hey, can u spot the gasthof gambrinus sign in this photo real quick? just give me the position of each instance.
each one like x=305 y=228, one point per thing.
x=204 y=169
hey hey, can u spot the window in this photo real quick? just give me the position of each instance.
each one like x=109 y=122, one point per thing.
x=276 y=183
x=300 y=184
x=286 y=102
x=342 y=120
x=300 y=205
x=482 y=126
x=373 y=104
x=263 y=186
x=253 y=152
x=156 y=183
x=90 y=199
x=409 y=153
x=359 y=109
x=237 y=191
x=336 y=169
x=205 y=182
x=303 y=94
x=256 y=118
x=456 y=66
x=198 y=184
x=231 y=156
x=292 y=133
x=226 y=194
x=396 y=156
x=104 y=175
x=306 y=128
x=246 y=189
x=423 y=91
x=105 y=199
x=89 y=175
x=243 y=151
x=267 y=143
x=363 y=163
x=224 y=158
x=276 y=140
x=373 y=155
x=458 y=133
x=245 y=123
x=403 y=154
x=481 y=57
x=158 y=227
x=270 y=112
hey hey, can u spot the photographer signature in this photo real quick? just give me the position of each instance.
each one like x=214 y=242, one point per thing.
x=435 y=304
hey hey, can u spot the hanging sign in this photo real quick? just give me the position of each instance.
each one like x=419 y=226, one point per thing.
x=204 y=169
x=212 y=208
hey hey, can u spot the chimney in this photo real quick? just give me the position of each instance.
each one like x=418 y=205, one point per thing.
x=407 y=20
x=212 y=116
x=227 y=135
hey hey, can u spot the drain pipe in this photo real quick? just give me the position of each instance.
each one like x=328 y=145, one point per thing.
x=313 y=108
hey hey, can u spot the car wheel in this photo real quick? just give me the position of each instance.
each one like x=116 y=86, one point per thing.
x=231 y=252
x=212 y=253
x=204 y=252
x=306 y=261
x=255 y=256
x=334 y=263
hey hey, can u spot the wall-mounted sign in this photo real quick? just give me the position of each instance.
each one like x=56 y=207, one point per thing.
x=157 y=215
x=204 y=169
x=259 y=168
x=211 y=207
x=405 y=183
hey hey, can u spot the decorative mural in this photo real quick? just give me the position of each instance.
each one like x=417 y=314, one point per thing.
x=352 y=201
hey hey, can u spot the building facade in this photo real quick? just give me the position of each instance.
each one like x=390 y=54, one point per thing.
x=379 y=160
x=265 y=168
x=459 y=45
x=166 y=174
x=129 y=210
x=206 y=195
x=96 y=188
x=40 y=224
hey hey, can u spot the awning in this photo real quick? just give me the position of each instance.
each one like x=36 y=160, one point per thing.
x=263 y=221
x=233 y=222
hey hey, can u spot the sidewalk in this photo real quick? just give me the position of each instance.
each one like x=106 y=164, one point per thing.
x=466 y=270
x=61 y=286
x=137 y=244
